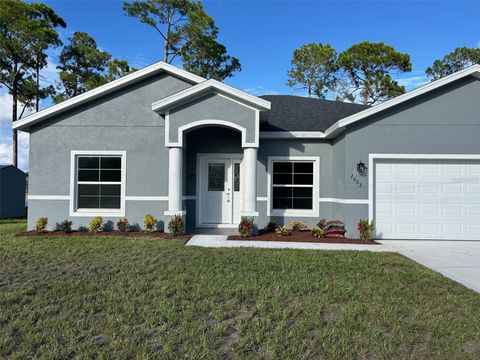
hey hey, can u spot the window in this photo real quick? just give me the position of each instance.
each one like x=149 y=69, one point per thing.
x=293 y=186
x=216 y=177
x=98 y=184
x=236 y=177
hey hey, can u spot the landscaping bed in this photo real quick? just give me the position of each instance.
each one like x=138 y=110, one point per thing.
x=76 y=233
x=302 y=236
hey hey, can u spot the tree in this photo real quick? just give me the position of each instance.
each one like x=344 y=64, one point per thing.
x=458 y=59
x=188 y=32
x=209 y=59
x=314 y=68
x=82 y=65
x=116 y=69
x=26 y=31
x=367 y=68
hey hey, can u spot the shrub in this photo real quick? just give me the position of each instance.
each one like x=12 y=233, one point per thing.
x=298 y=226
x=122 y=225
x=41 y=224
x=283 y=231
x=366 y=229
x=95 y=224
x=246 y=226
x=149 y=223
x=175 y=225
x=318 y=232
x=322 y=223
x=65 y=226
x=271 y=226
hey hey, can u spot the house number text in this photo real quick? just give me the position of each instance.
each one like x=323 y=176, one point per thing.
x=356 y=180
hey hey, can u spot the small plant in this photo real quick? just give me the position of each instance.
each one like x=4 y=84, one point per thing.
x=283 y=231
x=122 y=225
x=271 y=226
x=65 y=226
x=95 y=224
x=322 y=223
x=149 y=223
x=318 y=232
x=366 y=229
x=298 y=226
x=175 y=225
x=246 y=227
x=41 y=224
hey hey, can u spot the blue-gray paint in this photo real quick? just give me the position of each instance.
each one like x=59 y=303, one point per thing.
x=12 y=192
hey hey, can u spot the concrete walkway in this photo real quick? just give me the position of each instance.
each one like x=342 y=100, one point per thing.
x=457 y=260
x=221 y=241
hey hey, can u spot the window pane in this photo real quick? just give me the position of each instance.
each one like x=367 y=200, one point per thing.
x=282 y=167
x=303 y=179
x=111 y=162
x=216 y=177
x=110 y=202
x=86 y=162
x=88 y=202
x=88 y=175
x=110 y=175
x=282 y=203
x=303 y=192
x=236 y=177
x=110 y=190
x=302 y=203
x=303 y=167
x=282 y=192
x=85 y=190
x=282 y=179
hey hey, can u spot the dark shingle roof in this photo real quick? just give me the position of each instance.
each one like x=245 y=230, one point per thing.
x=296 y=113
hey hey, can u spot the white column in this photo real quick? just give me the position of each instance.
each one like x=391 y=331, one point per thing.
x=249 y=187
x=175 y=156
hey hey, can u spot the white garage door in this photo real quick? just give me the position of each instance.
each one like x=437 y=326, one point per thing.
x=427 y=199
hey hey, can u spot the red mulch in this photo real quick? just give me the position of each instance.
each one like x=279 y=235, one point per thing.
x=302 y=236
x=76 y=233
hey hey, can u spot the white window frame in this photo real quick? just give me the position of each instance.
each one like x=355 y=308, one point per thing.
x=314 y=212
x=74 y=211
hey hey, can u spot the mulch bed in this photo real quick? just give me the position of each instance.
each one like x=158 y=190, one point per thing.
x=302 y=236
x=76 y=233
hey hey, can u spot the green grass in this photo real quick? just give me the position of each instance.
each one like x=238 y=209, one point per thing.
x=113 y=297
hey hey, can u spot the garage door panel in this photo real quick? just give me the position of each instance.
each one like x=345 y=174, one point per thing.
x=427 y=199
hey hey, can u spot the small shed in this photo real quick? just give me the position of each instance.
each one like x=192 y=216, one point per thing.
x=12 y=192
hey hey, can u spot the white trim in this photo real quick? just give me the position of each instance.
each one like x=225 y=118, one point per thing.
x=345 y=201
x=49 y=197
x=249 y=213
x=173 y=213
x=262 y=198
x=373 y=157
x=292 y=135
x=316 y=187
x=205 y=86
x=198 y=197
x=209 y=122
x=73 y=184
x=106 y=89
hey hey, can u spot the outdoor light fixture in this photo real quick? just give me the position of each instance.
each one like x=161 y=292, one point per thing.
x=362 y=169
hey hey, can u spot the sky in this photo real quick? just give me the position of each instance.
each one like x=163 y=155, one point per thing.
x=264 y=34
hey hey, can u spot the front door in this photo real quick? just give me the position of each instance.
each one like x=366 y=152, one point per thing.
x=219 y=191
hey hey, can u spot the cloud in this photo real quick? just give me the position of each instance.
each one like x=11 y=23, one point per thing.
x=413 y=82
x=6 y=149
x=260 y=90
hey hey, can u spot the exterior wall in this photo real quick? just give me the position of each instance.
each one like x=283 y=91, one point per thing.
x=119 y=121
x=213 y=107
x=12 y=192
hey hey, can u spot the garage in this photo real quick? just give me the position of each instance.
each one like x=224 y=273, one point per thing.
x=426 y=197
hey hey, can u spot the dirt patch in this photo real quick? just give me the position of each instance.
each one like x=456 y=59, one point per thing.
x=301 y=236
x=471 y=346
x=76 y=233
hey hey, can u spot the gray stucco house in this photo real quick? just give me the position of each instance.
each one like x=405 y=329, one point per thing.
x=12 y=192
x=164 y=141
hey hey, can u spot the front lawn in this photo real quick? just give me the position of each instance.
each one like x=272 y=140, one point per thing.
x=115 y=297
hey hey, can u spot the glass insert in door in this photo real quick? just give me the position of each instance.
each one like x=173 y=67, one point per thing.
x=216 y=177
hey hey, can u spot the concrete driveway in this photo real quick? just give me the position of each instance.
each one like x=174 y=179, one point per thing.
x=457 y=260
